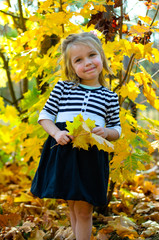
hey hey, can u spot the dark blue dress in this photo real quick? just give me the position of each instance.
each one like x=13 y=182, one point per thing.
x=69 y=173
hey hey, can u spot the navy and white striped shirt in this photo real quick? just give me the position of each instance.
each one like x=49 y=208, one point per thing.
x=66 y=101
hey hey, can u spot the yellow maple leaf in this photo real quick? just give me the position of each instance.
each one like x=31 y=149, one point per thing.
x=110 y=2
x=86 y=10
x=24 y=197
x=151 y=96
x=98 y=8
x=22 y=131
x=141 y=106
x=2 y=107
x=146 y=19
x=82 y=140
x=130 y=90
x=90 y=123
x=100 y=142
x=74 y=126
x=3 y=78
x=29 y=150
x=139 y=30
x=5 y=134
x=83 y=137
x=155 y=52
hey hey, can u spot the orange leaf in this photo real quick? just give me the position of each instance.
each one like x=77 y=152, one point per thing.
x=139 y=30
x=9 y=220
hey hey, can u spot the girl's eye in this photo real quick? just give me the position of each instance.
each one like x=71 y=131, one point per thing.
x=92 y=54
x=78 y=60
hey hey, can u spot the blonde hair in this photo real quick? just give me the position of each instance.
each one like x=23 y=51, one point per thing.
x=90 y=40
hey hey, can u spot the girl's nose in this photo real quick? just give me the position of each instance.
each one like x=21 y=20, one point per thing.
x=87 y=61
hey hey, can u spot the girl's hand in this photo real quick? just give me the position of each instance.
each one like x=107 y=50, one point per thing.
x=62 y=137
x=100 y=131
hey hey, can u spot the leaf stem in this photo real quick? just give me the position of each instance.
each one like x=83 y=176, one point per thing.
x=54 y=146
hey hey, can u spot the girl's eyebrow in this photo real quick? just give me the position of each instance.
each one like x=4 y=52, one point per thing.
x=93 y=50
x=77 y=57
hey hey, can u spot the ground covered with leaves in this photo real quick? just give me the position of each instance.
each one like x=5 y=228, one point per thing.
x=133 y=212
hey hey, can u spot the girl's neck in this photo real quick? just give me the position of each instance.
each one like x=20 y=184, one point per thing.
x=96 y=85
x=89 y=87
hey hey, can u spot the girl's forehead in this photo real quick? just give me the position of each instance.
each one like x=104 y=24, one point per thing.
x=82 y=46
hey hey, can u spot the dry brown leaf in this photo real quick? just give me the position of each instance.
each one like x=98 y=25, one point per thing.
x=148 y=188
x=9 y=220
x=36 y=234
x=152 y=228
x=154 y=216
x=103 y=234
x=142 y=207
x=13 y=234
x=27 y=226
x=64 y=233
x=124 y=227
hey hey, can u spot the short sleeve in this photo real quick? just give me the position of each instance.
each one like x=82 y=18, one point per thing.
x=51 y=107
x=112 y=119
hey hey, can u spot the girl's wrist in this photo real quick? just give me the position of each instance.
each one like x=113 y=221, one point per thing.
x=105 y=133
x=54 y=133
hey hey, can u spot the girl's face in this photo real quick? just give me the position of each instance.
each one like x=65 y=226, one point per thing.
x=87 y=63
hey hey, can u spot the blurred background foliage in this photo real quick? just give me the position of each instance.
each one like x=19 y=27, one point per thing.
x=30 y=64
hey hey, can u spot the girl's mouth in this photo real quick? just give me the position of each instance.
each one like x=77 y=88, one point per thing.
x=90 y=69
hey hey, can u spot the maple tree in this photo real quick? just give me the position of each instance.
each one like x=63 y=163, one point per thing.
x=31 y=55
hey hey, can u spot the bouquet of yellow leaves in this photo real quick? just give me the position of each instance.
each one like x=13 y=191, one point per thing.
x=83 y=136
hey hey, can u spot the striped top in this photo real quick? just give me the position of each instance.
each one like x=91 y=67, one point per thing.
x=66 y=101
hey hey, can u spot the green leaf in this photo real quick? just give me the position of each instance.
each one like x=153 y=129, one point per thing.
x=30 y=98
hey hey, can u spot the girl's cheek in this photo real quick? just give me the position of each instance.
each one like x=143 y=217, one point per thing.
x=79 y=69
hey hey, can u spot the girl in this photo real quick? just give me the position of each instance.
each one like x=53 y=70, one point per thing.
x=64 y=172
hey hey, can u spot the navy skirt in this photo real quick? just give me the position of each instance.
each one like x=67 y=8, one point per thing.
x=70 y=173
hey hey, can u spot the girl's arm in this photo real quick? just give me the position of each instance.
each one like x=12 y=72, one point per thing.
x=108 y=133
x=61 y=136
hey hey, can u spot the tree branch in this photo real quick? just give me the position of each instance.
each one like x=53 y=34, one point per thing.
x=9 y=4
x=154 y=16
x=6 y=99
x=10 y=102
x=23 y=27
x=6 y=67
x=127 y=74
x=121 y=22
x=61 y=9
x=22 y=22
x=155 y=73
x=12 y=15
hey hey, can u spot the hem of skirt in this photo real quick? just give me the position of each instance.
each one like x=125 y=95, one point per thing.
x=71 y=199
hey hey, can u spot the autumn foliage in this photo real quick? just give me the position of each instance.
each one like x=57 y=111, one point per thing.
x=30 y=52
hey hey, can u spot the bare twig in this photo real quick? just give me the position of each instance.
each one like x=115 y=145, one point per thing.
x=6 y=99
x=155 y=73
x=127 y=74
x=54 y=145
x=154 y=16
x=61 y=10
x=6 y=67
x=12 y=15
